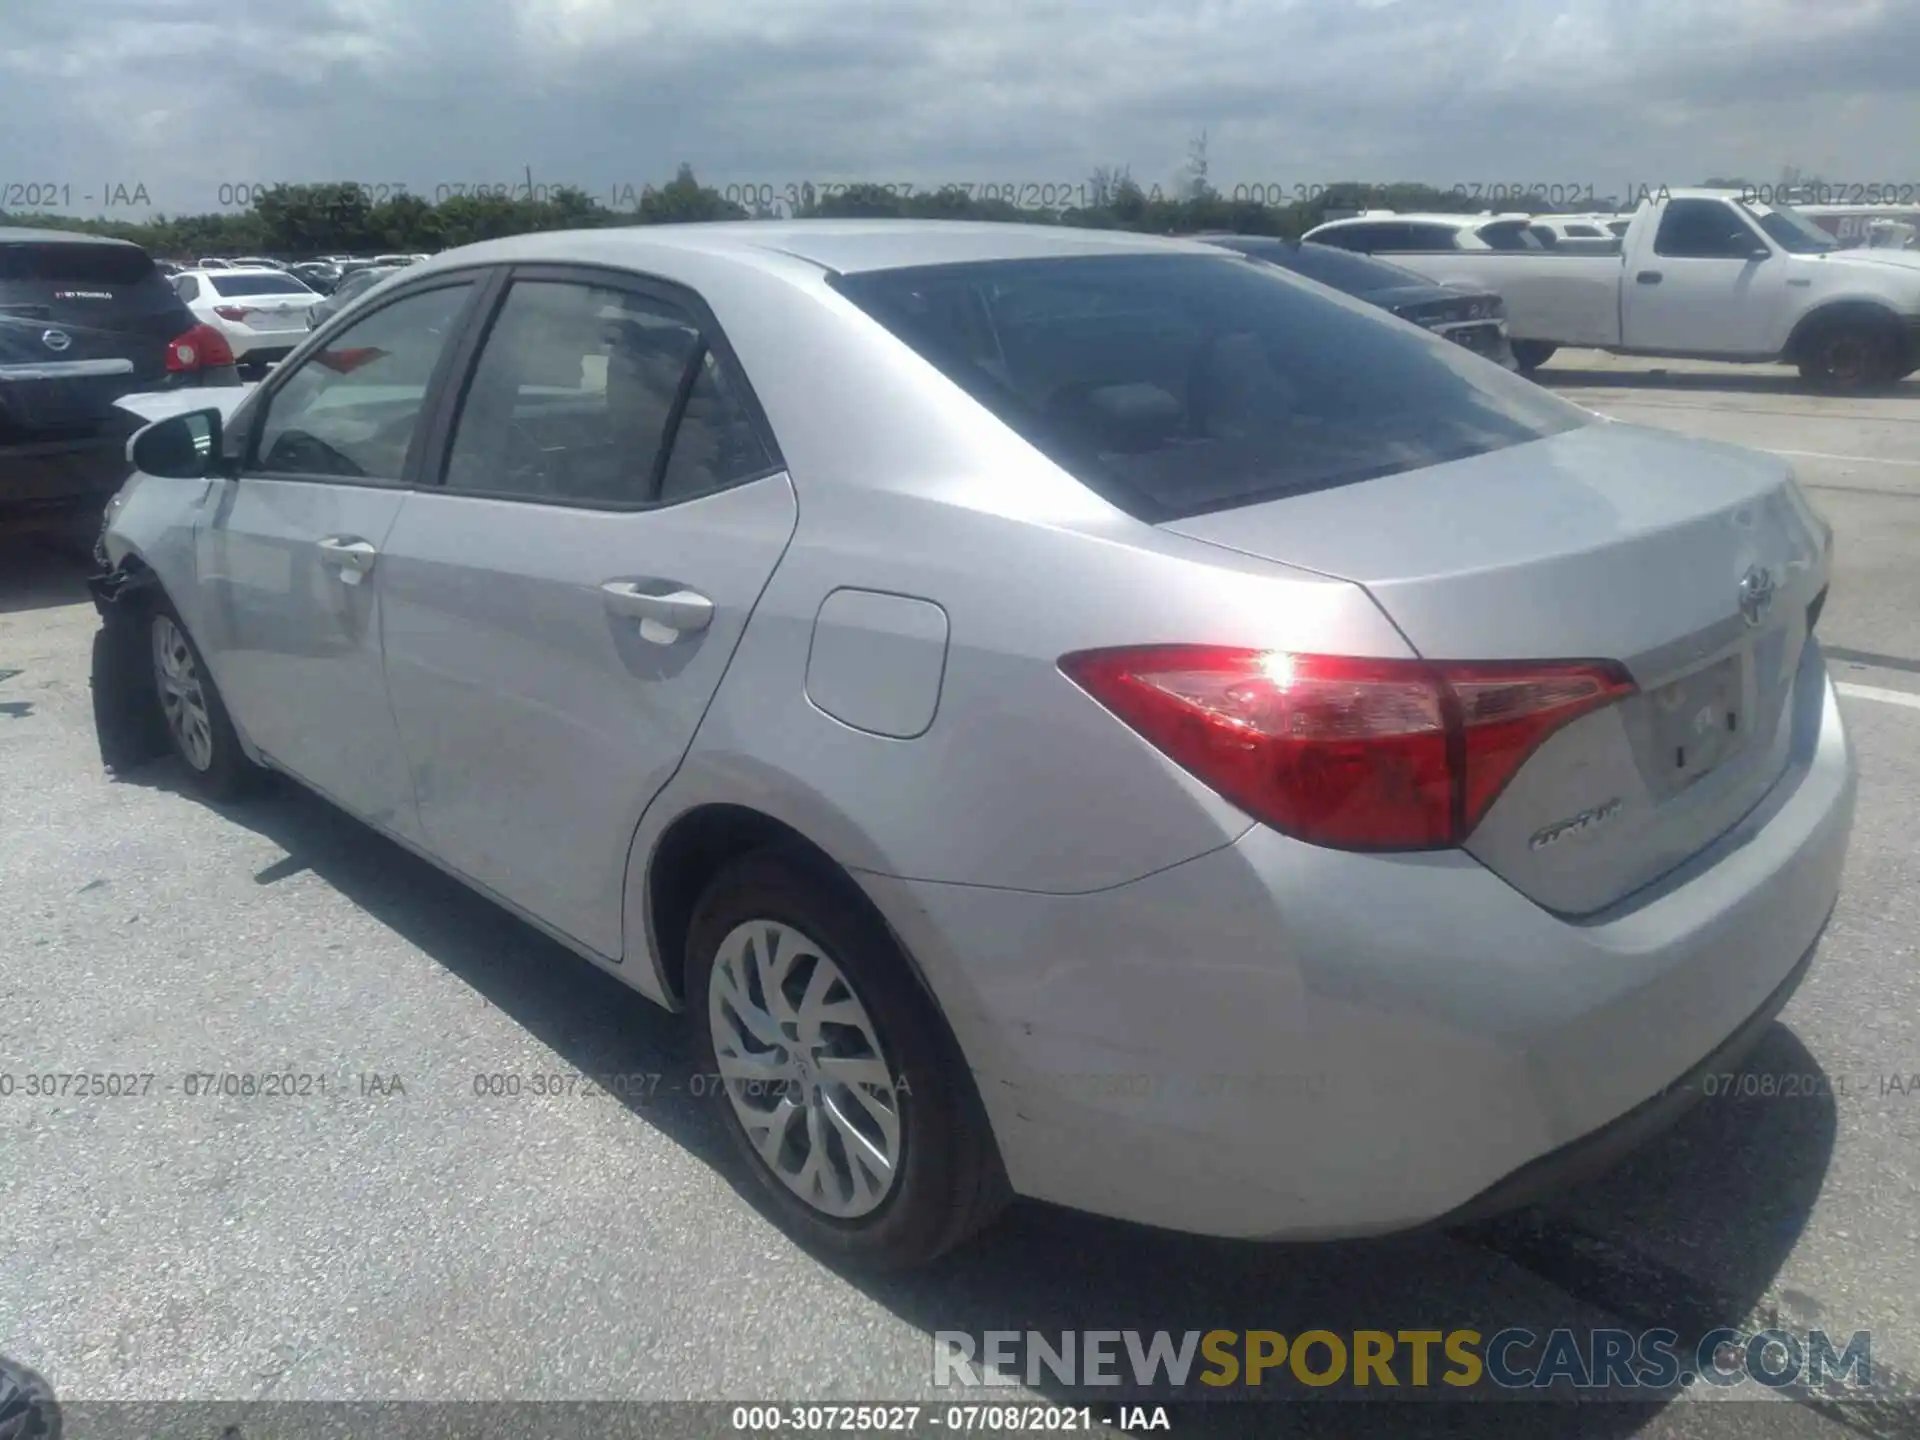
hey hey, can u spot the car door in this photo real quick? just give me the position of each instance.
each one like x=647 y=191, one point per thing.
x=560 y=610
x=1702 y=290
x=287 y=553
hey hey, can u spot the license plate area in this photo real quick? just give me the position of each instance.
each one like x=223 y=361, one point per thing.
x=1698 y=723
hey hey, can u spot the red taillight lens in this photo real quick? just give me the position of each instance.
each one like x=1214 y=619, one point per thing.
x=1351 y=753
x=199 y=348
x=232 y=312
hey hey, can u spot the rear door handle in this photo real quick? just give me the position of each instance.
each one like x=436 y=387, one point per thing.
x=663 y=618
x=1649 y=277
x=350 y=555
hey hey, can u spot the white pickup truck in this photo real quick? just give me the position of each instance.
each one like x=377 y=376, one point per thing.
x=1702 y=274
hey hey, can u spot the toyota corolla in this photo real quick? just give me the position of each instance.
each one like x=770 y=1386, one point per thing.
x=1068 y=715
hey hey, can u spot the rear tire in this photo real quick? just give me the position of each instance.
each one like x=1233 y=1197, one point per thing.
x=196 y=720
x=1530 y=355
x=1847 y=357
x=814 y=1032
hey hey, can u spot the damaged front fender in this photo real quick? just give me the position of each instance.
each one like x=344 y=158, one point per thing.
x=126 y=706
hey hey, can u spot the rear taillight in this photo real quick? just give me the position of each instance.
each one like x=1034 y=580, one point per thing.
x=232 y=312
x=198 y=349
x=1351 y=753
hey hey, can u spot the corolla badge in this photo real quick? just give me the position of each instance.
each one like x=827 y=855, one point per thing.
x=1574 y=824
x=1756 y=594
x=56 y=340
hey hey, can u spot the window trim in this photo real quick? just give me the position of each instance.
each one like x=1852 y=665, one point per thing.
x=481 y=280
x=437 y=451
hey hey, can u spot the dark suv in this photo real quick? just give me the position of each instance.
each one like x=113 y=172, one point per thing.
x=83 y=321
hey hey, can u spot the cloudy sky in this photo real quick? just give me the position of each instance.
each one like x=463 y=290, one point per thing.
x=193 y=98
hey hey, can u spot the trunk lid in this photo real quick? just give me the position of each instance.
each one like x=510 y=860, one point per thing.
x=1611 y=542
x=80 y=325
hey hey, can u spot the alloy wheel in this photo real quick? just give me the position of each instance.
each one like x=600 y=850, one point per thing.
x=804 y=1069
x=183 y=699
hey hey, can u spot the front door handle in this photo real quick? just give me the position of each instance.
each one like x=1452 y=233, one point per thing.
x=663 y=618
x=351 y=556
x=1649 y=277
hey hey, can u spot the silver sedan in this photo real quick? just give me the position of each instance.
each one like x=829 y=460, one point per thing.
x=1067 y=715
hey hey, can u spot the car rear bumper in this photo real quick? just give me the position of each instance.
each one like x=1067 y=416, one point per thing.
x=1275 y=1040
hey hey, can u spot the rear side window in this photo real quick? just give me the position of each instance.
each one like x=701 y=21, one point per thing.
x=259 y=282
x=595 y=395
x=1361 y=237
x=1178 y=385
x=1508 y=235
x=1585 y=232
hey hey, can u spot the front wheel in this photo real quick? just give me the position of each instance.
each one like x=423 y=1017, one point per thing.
x=198 y=726
x=1847 y=359
x=1530 y=355
x=834 y=1075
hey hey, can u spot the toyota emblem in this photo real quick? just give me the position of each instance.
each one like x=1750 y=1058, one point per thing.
x=1756 y=594
x=55 y=340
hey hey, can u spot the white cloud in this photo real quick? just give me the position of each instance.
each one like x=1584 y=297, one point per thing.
x=605 y=92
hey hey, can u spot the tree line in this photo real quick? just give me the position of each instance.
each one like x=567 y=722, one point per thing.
x=305 y=220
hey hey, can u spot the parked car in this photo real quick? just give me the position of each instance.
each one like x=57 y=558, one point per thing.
x=1702 y=275
x=261 y=312
x=395 y=260
x=83 y=321
x=257 y=262
x=1881 y=226
x=349 y=289
x=1065 y=714
x=1470 y=317
x=1381 y=232
x=319 y=275
x=213 y=262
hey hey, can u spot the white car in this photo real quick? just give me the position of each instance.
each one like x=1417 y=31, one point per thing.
x=1703 y=274
x=261 y=312
x=1379 y=232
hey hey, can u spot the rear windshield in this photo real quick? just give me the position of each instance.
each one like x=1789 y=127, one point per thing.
x=1330 y=265
x=276 y=282
x=78 y=264
x=1175 y=385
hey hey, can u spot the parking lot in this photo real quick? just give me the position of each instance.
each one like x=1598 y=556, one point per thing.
x=401 y=1235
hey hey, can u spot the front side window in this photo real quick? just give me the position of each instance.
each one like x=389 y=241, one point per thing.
x=1703 y=230
x=1178 y=385
x=349 y=411
x=589 y=395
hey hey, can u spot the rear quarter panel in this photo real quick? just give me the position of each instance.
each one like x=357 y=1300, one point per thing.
x=908 y=488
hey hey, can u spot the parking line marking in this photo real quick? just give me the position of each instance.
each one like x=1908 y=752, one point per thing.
x=1850 y=459
x=1874 y=692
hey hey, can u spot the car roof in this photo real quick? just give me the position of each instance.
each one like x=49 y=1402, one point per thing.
x=27 y=234
x=840 y=246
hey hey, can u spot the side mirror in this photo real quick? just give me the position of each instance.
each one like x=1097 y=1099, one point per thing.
x=181 y=447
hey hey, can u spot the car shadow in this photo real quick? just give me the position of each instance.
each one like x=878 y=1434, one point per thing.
x=1736 y=1178
x=38 y=575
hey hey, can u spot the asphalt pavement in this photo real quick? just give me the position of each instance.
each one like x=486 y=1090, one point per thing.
x=385 y=1232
